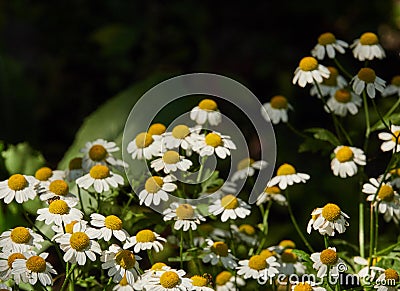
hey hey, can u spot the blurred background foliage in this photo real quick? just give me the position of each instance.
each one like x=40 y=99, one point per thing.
x=60 y=61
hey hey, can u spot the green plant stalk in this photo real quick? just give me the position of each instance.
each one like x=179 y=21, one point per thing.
x=150 y=256
x=80 y=200
x=367 y=121
x=295 y=131
x=68 y=274
x=181 y=249
x=203 y=160
x=339 y=65
x=326 y=241
x=265 y=214
x=371 y=235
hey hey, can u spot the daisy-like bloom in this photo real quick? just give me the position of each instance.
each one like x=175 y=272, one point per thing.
x=272 y=193
x=219 y=251
x=231 y=207
x=387 y=281
x=206 y=111
x=327 y=43
x=393 y=88
x=180 y=136
x=157 y=129
x=60 y=230
x=247 y=168
x=123 y=285
x=258 y=267
x=276 y=110
x=346 y=159
x=59 y=212
x=45 y=175
x=214 y=142
x=185 y=216
x=20 y=187
x=74 y=170
x=58 y=189
x=329 y=86
x=388 y=199
x=145 y=146
x=367 y=272
x=120 y=263
x=200 y=283
x=329 y=219
x=290 y=263
x=286 y=175
x=391 y=140
x=306 y=286
x=326 y=260
x=7 y=258
x=226 y=281
x=245 y=233
x=155 y=190
x=145 y=240
x=101 y=178
x=367 y=79
x=33 y=268
x=282 y=245
x=309 y=71
x=20 y=239
x=168 y=279
x=343 y=101
x=109 y=226
x=171 y=161
x=367 y=47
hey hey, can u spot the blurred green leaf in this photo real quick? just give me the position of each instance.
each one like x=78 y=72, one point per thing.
x=21 y=158
x=394 y=118
x=324 y=134
x=314 y=146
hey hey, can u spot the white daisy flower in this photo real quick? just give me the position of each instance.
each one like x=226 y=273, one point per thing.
x=258 y=267
x=226 y=281
x=180 y=136
x=200 y=283
x=120 y=263
x=367 y=272
x=286 y=175
x=33 y=268
x=155 y=190
x=145 y=240
x=123 y=285
x=367 y=47
x=329 y=219
x=6 y=260
x=346 y=159
x=230 y=207
x=20 y=239
x=272 y=193
x=60 y=230
x=74 y=170
x=219 y=251
x=168 y=280
x=101 y=178
x=290 y=263
x=20 y=187
x=343 y=101
x=79 y=244
x=206 y=111
x=58 y=189
x=157 y=129
x=145 y=146
x=327 y=43
x=45 y=176
x=184 y=215
x=330 y=85
x=309 y=71
x=387 y=281
x=247 y=168
x=393 y=88
x=59 y=212
x=214 y=142
x=245 y=233
x=109 y=226
x=276 y=110
x=326 y=260
x=306 y=285
x=283 y=245
x=368 y=80
x=171 y=161
x=391 y=140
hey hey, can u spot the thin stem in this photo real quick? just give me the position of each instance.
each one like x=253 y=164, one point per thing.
x=326 y=241
x=265 y=215
x=342 y=69
x=203 y=160
x=181 y=249
x=295 y=131
x=150 y=255
x=380 y=115
x=80 y=200
x=371 y=234
x=64 y=285
x=108 y=284
x=367 y=122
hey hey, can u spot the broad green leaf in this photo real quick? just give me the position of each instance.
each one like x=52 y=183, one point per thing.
x=324 y=134
x=392 y=119
x=21 y=158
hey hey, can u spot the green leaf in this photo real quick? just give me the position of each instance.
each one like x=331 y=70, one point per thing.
x=394 y=118
x=22 y=159
x=314 y=146
x=213 y=182
x=324 y=135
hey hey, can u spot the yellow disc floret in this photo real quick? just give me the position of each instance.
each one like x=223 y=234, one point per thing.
x=367 y=75
x=266 y=253
x=199 y=281
x=75 y=164
x=326 y=38
x=369 y=38
x=247 y=229
x=279 y=102
x=59 y=207
x=157 y=129
x=180 y=131
x=143 y=140
x=79 y=241
x=20 y=235
x=229 y=202
x=332 y=79
x=145 y=235
x=214 y=140
x=287 y=243
x=391 y=274
x=258 y=262
x=395 y=80
x=395 y=136
x=158 y=266
x=169 y=279
x=272 y=190
x=99 y=172
x=342 y=96
x=113 y=222
x=344 y=154
x=97 y=153
x=220 y=248
x=126 y=259
x=124 y=281
x=184 y=211
x=303 y=287
x=153 y=184
x=308 y=64
x=386 y=193
x=223 y=278
x=59 y=187
x=286 y=169
x=17 y=182
x=36 y=264
x=328 y=257
x=171 y=157
x=43 y=174
x=288 y=256
x=331 y=212
x=11 y=258
x=208 y=104
x=69 y=228
x=245 y=163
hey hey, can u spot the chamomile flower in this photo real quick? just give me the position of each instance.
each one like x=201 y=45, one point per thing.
x=283 y=245
x=200 y=283
x=218 y=251
x=276 y=110
x=206 y=111
x=330 y=85
x=393 y=88
x=327 y=43
x=272 y=193
x=168 y=279
x=59 y=212
x=329 y=219
x=367 y=47
x=326 y=260
x=180 y=136
x=120 y=263
x=391 y=140
x=184 y=215
x=18 y=187
x=346 y=159
x=145 y=146
x=387 y=281
x=171 y=161
x=156 y=189
x=368 y=272
x=109 y=226
x=245 y=233
x=247 y=168
x=74 y=170
x=33 y=268
x=58 y=189
x=45 y=176
x=367 y=79
x=157 y=129
x=214 y=142
x=230 y=207
x=20 y=239
x=343 y=101
x=226 y=281
x=145 y=239
x=287 y=175
x=306 y=286
x=258 y=267
x=290 y=263
x=60 y=230
x=123 y=285
x=101 y=178
x=7 y=258
x=309 y=71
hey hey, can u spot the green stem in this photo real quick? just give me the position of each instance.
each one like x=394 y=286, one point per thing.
x=126 y=206
x=367 y=122
x=371 y=234
x=64 y=285
x=108 y=284
x=295 y=131
x=326 y=241
x=265 y=215
x=181 y=249
x=380 y=115
x=150 y=255
x=342 y=69
x=80 y=200
x=203 y=160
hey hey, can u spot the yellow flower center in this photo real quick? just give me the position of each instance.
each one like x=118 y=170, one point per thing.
x=97 y=153
x=171 y=157
x=75 y=164
x=391 y=274
x=36 y=264
x=180 y=131
x=145 y=235
x=367 y=75
x=308 y=64
x=214 y=140
x=331 y=212
x=332 y=79
x=369 y=38
x=396 y=80
x=208 y=104
x=220 y=248
x=222 y=278
x=20 y=235
x=229 y=202
x=395 y=172
x=396 y=136
x=288 y=257
x=143 y=140
x=17 y=182
x=303 y=287
x=199 y=281
x=99 y=172
x=113 y=222
x=59 y=187
x=157 y=129
x=124 y=281
x=266 y=253
x=69 y=228
x=279 y=102
x=286 y=169
x=344 y=154
x=184 y=211
x=257 y=262
x=79 y=241
x=326 y=38
x=272 y=190
x=247 y=229
x=59 y=207
x=386 y=193
x=157 y=266
x=126 y=259
x=153 y=184
x=169 y=279
x=342 y=96
x=287 y=243
x=328 y=257
x=245 y=163
x=43 y=174
x=11 y=258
